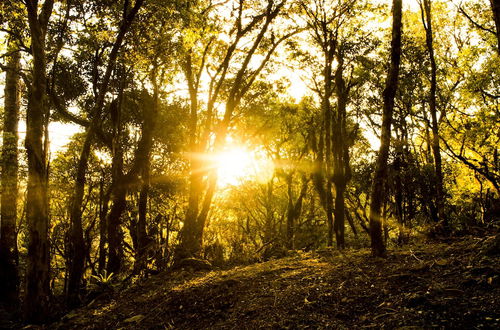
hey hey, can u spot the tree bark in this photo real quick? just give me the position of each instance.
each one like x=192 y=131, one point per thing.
x=495 y=8
x=36 y=302
x=148 y=128
x=9 y=277
x=115 y=252
x=103 y=211
x=438 y=187
x=340 y=152
x=294 y=210
x=380 y=176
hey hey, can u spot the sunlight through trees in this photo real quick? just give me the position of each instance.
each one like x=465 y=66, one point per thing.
x=147 y=135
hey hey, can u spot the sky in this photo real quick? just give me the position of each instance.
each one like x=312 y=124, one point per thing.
x=59 y=133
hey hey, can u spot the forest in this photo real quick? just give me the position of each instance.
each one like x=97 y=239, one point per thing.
x=250 y=164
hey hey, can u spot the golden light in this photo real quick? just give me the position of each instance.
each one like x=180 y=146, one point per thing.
x=237 y=164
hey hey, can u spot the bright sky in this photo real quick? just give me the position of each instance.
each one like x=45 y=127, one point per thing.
x=59 y=133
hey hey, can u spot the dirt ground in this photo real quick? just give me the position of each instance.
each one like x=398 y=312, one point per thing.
x=434 y=285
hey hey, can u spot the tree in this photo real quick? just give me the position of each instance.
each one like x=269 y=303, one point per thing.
x=9 y=277
x=495 y=8
x=231 y=77
x=341 y=41
x=36 y=302
x=380 y=176
x=77 y=243
x=426 y=12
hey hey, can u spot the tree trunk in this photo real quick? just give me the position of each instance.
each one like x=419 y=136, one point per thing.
x=294 y=210
x=103 y=211
x=340 y=152
x=118 y=191
x=121 y=185
x=142 y=240
x=439 y=191
x=148 y=127
x=495 y=7
x=9 y=277
x=36 y=301
x=327 y=119
x=380 y=176
x=339 y=213
x=115 y=252
x=76 y=257
x=290 y=216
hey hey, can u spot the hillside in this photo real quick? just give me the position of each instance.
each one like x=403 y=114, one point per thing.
x=430 y=285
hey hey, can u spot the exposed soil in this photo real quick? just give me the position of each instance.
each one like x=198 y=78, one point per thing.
x=442 y=285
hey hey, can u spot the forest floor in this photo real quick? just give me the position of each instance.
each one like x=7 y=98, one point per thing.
x=453 y=284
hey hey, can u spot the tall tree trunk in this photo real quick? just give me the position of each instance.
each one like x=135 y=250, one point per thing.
x=36 y=302
x=76 y=257
x=340 y=152
x=118 y=190
x=495 y=7
x=9 y=277
x=142 y=240
x=339 y=214
x=148 y=127
x=290 y=217
x=439 y=191
x=380 y=177
x=327 y=125
x=318 y=176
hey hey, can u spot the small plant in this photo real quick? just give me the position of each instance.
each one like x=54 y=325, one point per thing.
x=103 y=282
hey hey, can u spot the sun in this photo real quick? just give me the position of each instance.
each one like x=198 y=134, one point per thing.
x=237 y=164
x=234 y=165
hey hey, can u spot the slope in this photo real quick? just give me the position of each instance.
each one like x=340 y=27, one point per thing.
x=452 y=285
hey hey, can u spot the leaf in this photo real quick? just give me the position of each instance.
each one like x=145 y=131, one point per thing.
x=134 y=319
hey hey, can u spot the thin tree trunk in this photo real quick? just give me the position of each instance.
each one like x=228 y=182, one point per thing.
x=103 y=211
x=76 y=257
x=439 y=191
x=495 y=7
x=339 y=213
x=118 y=191
x=9 y=277
x=294 y=211
x=327 y=119
x=290 y=217
x=115 y=252
x=148 y=127
x=142 y=241
x=380 y=177
x=340 y=152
